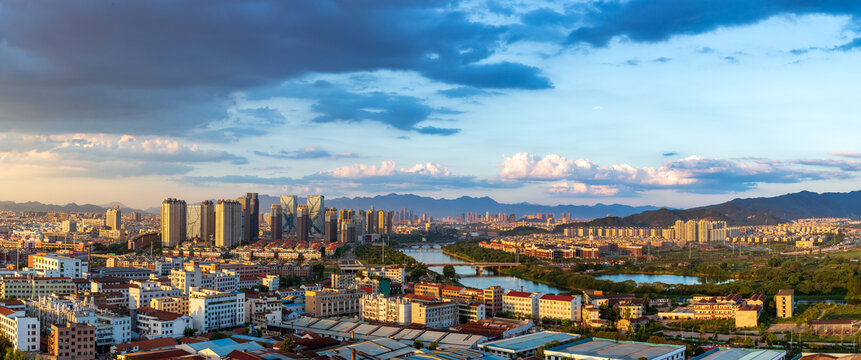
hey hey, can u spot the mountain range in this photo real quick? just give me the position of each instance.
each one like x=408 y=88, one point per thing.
x=455 y=207
x=750 y=211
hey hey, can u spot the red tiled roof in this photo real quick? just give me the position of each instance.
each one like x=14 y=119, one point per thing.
x=158 y=354
x=6 y=311
x=144 y=345
x=159 y=314
x=552 y=297
x=519 y=294
x=236 y=354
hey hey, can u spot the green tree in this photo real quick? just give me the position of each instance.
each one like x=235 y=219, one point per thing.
x=218 y=335
x=417 y=272
x=433 y=345
x=449 y=272
x=418 y=344
x=188 y=332
x=747 y=342
x=287 y=344
x=318 y=269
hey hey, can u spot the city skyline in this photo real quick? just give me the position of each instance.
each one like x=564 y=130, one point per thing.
x=548 y=103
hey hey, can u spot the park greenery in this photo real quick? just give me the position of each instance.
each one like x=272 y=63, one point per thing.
x=750 y=273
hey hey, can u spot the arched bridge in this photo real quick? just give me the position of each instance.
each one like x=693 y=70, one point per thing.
x=479 y=266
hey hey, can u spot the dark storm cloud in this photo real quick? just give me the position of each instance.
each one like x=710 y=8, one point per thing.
x=153 y=67
x=659 y=20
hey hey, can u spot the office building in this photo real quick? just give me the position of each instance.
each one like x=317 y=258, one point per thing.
x=302 y=223
x=207 y=221
x=783 y=302
x=371 y=222
x=21 y=330
x=348 y=231
x=331 y=226
x=275 y=222
x=73 y=342
x=173 y=222
x=289 y=204
x=492 y=298
x=435 y=315
x=70 y=226
x=251 y=217
x=228 y=223
x=315 y=214
x=193 y=222
x=328 y=303
x=378 y=307
x=114 y=218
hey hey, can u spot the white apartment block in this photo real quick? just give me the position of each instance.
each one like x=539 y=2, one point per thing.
x=60 y=266
x=27 y=288
x=435 y=315
x=395 y=274
x=211 y=310
x=397 y=310
x=155 y=324
x=186 y=279
x=521 y=304
x=142 y=292
x=21 y=330
x=262 y=308
x=560 y=307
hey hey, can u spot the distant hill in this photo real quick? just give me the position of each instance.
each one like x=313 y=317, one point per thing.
x=70 y=207
x=753 y=211
x=455 y=207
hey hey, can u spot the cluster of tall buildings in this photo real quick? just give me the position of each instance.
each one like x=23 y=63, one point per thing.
x=701 y=231
x=229 y=222
x=223 y=223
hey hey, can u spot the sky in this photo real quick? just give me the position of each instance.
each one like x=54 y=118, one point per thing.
x=668 y=102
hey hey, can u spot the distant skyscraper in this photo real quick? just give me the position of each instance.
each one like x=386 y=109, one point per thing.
x=331 y=225
x=173 y=222
x=371 y=222
x=690 y=231
x=70 y=226
x=315 y=214
x=251 y=217
x=207 y=221
x=348 y=231
x=302 y=223
x=275 y=222
x=193 y=222
x=114 y=218
x=389 y=220
x=288 y=214
x=228 y=223
x=380 y=217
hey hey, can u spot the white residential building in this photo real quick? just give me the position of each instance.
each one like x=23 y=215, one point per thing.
x=395 y=274
x=212 y=310
x=59 y=266
x=377 y=307
x=560 y=307
x=521 y=304
x=21 y=330
x=142 y=292
x=155 y=324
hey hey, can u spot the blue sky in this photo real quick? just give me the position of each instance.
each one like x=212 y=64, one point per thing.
x=668 y=102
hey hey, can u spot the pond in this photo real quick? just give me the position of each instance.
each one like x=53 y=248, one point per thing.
x=666 y=279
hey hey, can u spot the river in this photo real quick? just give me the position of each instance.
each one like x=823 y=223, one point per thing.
x=666 y=279
x=434 y=254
